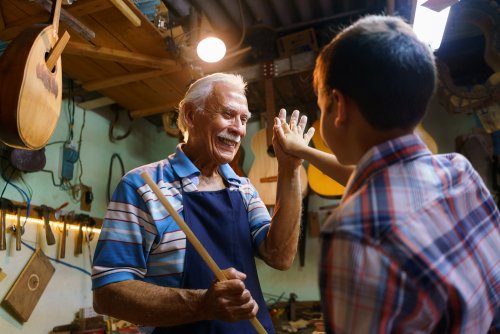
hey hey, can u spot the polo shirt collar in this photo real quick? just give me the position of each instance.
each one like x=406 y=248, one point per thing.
x=183 y=167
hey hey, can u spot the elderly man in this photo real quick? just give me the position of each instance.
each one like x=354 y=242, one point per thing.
x=146 y=272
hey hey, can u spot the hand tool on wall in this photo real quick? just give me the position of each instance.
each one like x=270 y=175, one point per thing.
x=5 y=206
x=195 y=241
x=66 y=218
x=44 y=211
x=79 y=239
x=18 y=230
x=62 y=253
x=82 y=220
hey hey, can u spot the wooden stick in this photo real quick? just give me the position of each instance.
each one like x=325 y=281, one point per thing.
x=69 y=19
x=56 y=52
x=127 y=12
x=194 y=240
x=56 y=13
x=62 y=253
x=18 y=229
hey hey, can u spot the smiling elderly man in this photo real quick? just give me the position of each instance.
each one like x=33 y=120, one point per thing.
x=146 y=272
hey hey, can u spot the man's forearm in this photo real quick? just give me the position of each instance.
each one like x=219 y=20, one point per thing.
x=147 y=304
x=280 y=245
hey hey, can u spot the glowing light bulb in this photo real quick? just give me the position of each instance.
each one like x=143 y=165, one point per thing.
x=211 y=49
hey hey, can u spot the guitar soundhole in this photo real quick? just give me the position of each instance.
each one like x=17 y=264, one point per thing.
x=47 y=54
x=270 y=151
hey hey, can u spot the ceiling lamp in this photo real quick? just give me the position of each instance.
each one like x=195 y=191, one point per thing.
x=211 y=49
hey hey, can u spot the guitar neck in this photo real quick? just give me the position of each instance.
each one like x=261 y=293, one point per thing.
x=54 y=16
x=269 y=90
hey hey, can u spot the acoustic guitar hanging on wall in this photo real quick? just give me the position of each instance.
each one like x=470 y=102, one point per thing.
x=319 y=182
x=31 y=84
x=264 y=170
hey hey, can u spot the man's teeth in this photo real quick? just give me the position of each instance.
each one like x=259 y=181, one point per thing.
x=228 y=141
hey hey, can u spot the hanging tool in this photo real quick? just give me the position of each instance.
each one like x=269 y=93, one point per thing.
x=5 y=206
x=82 y=219
x=18 y=229
x=62 y=252
x=66 y=218
x=44 y=211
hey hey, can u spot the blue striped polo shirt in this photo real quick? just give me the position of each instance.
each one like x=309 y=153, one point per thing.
x=140 y=240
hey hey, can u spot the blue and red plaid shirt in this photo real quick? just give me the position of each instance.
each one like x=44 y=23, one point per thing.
x=414 y=246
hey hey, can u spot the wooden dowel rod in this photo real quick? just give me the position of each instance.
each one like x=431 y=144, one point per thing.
x=194 y=241
x=57 y=50
x=127 y=12
x=18 y=229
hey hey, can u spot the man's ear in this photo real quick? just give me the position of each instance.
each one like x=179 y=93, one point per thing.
x=339 y=105
x=189 y=114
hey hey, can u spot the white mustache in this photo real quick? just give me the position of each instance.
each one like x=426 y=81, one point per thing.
x=226 y=135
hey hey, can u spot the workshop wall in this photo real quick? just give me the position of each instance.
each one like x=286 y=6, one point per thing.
x=70 y=287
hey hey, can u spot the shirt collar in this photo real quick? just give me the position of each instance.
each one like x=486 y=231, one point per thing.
x=379 y=157
x=183 y=167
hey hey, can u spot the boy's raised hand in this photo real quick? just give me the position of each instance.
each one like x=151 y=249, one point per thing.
x=291 y=137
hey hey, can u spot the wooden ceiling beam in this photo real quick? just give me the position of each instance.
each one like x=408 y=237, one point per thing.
x=70 y=20
x=79 y=9
x=87 y=7
x=96 y=103
x=15 y=28
x=153 y=110
x=120 y=56
x=127 y=12
x=94 y=85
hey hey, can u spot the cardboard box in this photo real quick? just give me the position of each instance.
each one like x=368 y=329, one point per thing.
x=298 y=42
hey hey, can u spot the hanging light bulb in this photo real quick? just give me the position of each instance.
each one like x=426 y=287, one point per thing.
x=211 y=49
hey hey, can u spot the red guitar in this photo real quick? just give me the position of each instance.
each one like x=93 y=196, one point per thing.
x=264 y=170
x=31 y=85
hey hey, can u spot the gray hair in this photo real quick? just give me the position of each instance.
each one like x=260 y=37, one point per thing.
x=201 y=89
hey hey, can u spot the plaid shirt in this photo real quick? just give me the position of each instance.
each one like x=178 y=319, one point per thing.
x=414 y=246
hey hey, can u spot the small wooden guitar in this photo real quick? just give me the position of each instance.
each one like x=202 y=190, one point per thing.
x=31 y=85
x=264 y=170
x=319 y=182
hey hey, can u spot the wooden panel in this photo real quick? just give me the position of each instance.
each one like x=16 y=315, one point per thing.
x=29 y=286
x=81 y=8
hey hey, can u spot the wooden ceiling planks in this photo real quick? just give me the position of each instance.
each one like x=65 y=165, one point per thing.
x=130 y=65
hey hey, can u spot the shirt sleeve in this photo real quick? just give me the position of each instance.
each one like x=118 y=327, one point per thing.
x=258 y=215
x=363 y=291
x=125 y=235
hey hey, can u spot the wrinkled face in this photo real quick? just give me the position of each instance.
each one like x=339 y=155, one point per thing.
x=221 y=126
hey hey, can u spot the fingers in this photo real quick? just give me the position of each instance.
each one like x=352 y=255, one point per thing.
x=278 y=129
x=309 y=134
x=282 y=116
x=294 y=119
x=230 y=300
x=295 y=126
x=232 y=273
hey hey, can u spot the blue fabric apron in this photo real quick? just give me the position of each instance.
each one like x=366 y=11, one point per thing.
x=219 y=219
